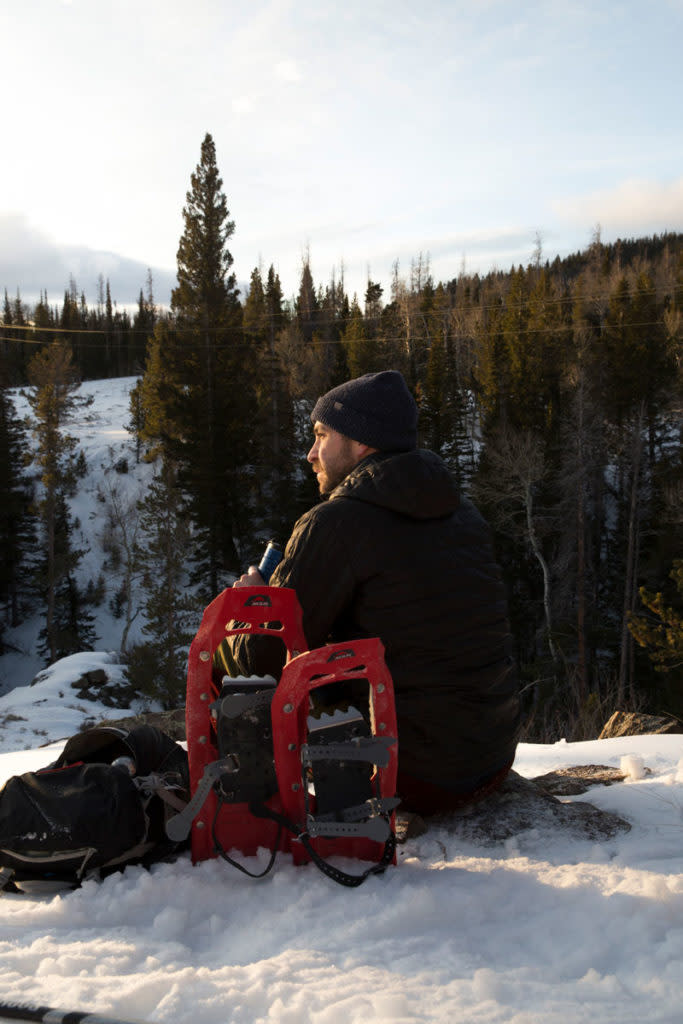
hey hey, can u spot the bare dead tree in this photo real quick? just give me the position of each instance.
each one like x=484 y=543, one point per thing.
x=123 y=514
x=516 y=467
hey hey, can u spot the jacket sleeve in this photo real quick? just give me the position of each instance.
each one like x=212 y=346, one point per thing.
x=317 y=565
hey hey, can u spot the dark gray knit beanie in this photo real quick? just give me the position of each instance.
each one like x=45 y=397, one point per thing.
x=376 y=409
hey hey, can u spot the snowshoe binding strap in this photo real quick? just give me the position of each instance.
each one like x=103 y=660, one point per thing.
x=233 y=705
x=334 y=816
x=245 y=767
x=218 y=846
x=373 y=749
x=370 y=820
x=303 y=836
x=178 y=827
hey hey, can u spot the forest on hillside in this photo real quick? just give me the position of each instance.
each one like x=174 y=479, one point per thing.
x=554 y=392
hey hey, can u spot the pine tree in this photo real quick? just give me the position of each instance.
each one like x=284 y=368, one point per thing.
x=254 y=318
x=262 y=320
x=14 y=346
x=203 y=386
x=143 y=325
x=280 y=425
x=281 y=460
x=433 y=394
x=151 y=396
x=373 y=302
x=307 y=302
x=490 y=369
x=361 y=349
x=158 y=666
x=661 y=632
x=70 y=627
x=17 y=525
x=581 y=497
x=54 y=382
x=518 y=351
x=120 y=542
x=43 y=320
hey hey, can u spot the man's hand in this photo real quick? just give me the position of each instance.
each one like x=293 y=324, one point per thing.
x=252 y=578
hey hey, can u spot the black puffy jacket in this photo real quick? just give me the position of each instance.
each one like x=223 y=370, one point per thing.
x=395 y=552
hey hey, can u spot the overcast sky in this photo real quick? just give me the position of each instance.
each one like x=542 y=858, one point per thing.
x=361 y=131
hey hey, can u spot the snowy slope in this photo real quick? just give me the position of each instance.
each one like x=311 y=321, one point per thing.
x=104 y=440
x=543 y=929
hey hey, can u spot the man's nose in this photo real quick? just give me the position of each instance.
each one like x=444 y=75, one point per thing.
x=313 y=454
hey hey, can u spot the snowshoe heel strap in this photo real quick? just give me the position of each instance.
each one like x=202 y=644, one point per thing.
x=234 y=705
x=369 y=820
x=303 y=836
x=178 y=827
x=377 y=829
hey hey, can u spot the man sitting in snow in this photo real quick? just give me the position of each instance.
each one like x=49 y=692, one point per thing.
x=396 y=552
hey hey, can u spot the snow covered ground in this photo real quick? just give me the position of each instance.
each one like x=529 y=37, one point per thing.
x=100 y=428
x=543 y=929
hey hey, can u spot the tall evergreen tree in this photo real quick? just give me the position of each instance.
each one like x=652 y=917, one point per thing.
x=254 y=319
x=17 y=525
x=490 y=369
x=71 y=625
x=661 y=631
x=43 y=320
x=54 y=382
x=157 y=667
x=581 y=498
x=14 y=345
x=261 y=321
x=307 y=302
x=361 y=349
x=205 y=397
x=144 y=321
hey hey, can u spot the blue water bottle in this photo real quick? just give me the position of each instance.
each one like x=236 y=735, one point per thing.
x=272 y=556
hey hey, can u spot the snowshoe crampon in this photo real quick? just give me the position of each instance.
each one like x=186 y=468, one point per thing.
x=307 y=765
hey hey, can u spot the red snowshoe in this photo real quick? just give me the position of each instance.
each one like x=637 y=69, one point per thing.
x=307 y=765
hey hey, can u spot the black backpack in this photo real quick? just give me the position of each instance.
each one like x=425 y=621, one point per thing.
x=103 y=804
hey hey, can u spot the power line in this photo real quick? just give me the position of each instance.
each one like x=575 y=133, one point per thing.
x=314 y=343
x=327 y=317
x=324 y=318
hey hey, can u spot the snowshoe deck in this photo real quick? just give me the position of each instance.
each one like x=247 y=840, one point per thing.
x=260 y=759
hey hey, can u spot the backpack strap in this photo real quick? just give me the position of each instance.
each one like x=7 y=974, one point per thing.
x=6 y=883
x=161 y=786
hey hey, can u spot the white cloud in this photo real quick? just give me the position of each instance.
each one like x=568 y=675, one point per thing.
x=287 y=71
x=633 y=205
x=31 y=262
x=242 y=105
x=284 y=71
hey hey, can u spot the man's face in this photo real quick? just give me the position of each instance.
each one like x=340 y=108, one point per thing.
x=333 y=456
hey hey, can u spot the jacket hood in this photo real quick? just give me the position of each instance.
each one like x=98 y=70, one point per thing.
x=417 y=484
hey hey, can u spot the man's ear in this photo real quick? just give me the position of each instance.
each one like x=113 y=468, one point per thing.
x=362 y=450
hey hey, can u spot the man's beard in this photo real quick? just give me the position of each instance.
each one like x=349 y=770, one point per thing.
x=337 y=470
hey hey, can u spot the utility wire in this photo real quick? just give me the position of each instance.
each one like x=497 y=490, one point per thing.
x=314 y=343
x=468 y=307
